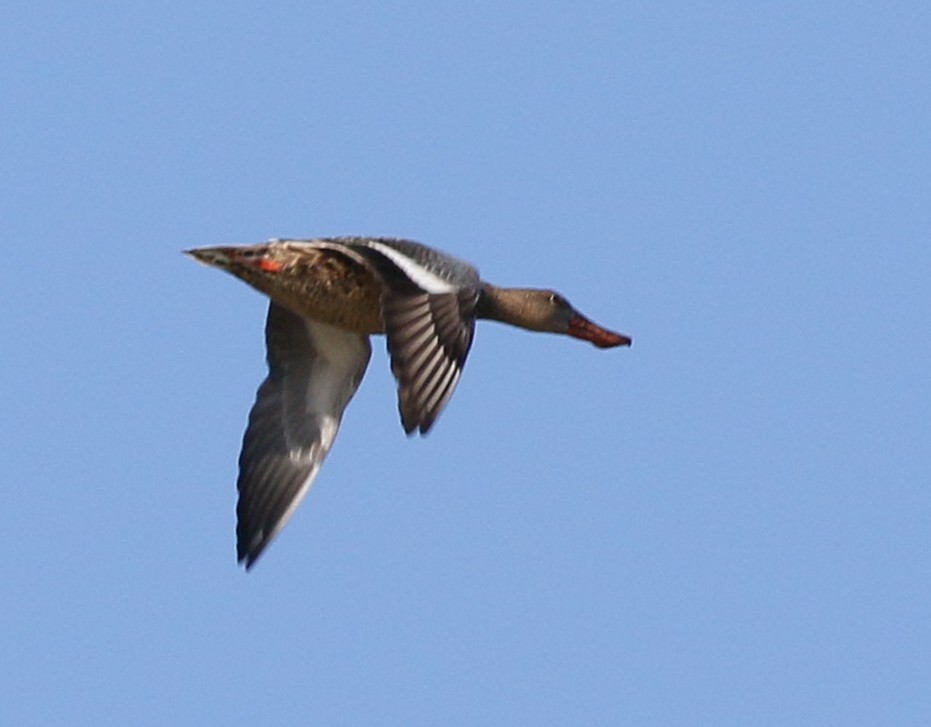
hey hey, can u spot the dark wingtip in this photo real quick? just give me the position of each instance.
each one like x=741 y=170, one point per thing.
x=414 y=427
x=414 y=424
x=243 y=558
x=248 y=560
x=248 y=552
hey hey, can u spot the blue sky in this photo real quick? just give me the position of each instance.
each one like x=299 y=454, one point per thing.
x=726 y=524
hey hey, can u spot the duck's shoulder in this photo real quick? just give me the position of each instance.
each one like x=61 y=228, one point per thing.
x=428 y=268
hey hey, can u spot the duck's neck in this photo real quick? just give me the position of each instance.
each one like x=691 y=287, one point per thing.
x=513 y=306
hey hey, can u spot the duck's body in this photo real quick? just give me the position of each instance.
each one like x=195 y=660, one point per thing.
x=327 y=297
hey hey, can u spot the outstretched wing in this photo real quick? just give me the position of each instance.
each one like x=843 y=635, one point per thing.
x=428 y=308
x=429 y=336
x=313 y=372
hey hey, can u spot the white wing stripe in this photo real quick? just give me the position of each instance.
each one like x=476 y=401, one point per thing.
x=423 y=278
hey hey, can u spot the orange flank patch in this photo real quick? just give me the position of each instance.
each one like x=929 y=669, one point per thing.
x=270 y=266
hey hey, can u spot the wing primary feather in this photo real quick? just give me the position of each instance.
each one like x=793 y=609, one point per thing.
x=429 y=336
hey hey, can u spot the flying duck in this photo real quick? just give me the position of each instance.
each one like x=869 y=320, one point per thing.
x=327 y=296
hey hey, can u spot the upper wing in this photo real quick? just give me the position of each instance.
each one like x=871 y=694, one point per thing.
x=429 y=336
x=313 y=372
x=428 y=307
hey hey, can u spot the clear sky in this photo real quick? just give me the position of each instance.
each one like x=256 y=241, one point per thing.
x=727 y=524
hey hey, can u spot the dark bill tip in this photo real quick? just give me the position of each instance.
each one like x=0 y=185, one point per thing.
x=582 y=328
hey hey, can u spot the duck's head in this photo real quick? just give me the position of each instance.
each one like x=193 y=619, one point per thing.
x=545 y=310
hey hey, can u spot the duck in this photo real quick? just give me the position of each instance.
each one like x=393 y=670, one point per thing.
x=327 y=297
